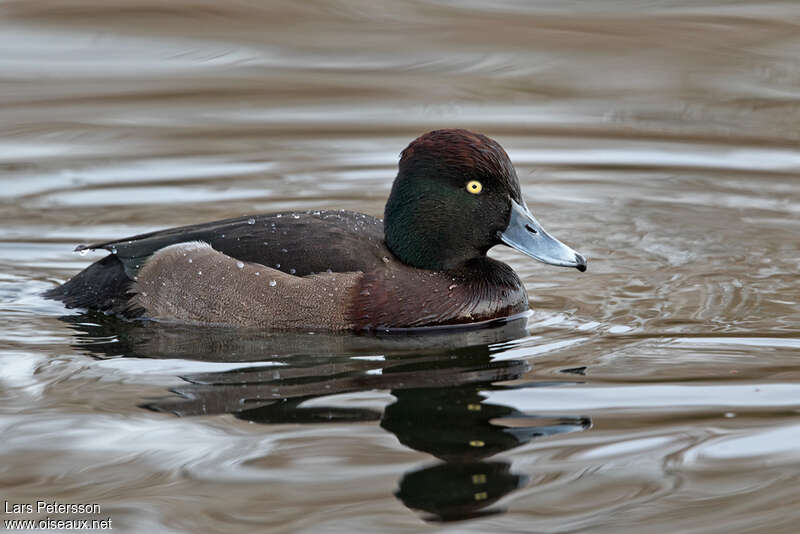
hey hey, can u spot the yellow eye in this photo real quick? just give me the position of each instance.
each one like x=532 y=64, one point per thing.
x=474 y=187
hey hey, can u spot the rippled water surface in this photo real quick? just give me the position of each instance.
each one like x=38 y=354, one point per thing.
x=657 y=392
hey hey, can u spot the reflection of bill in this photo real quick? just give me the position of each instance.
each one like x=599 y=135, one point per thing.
x=457 y=425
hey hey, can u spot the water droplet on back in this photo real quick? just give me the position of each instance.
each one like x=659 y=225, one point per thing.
x=273 y=283
x=251 y=221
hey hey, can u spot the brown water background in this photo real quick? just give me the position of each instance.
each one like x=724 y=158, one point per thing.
x=658 y=392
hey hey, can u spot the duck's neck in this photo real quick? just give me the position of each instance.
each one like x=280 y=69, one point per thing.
x=416 y=245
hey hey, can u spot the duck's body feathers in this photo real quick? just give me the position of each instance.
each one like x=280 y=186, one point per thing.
x=322 y=270
x=299 y=243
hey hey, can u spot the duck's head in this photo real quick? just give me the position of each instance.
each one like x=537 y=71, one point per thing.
x=457 y=195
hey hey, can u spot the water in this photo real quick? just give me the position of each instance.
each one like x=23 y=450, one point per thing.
x=657 y=392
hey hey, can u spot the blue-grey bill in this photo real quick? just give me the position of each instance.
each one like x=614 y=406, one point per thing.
x=525 y=234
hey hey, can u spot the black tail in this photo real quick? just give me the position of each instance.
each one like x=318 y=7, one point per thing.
x=101 y=286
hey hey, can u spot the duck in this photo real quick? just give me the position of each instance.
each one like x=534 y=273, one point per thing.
x=456 y=195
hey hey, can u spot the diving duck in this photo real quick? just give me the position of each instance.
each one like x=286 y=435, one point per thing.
x=456 y=196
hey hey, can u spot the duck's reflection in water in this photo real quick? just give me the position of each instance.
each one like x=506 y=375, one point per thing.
x=456 y=425
x=437 y=378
